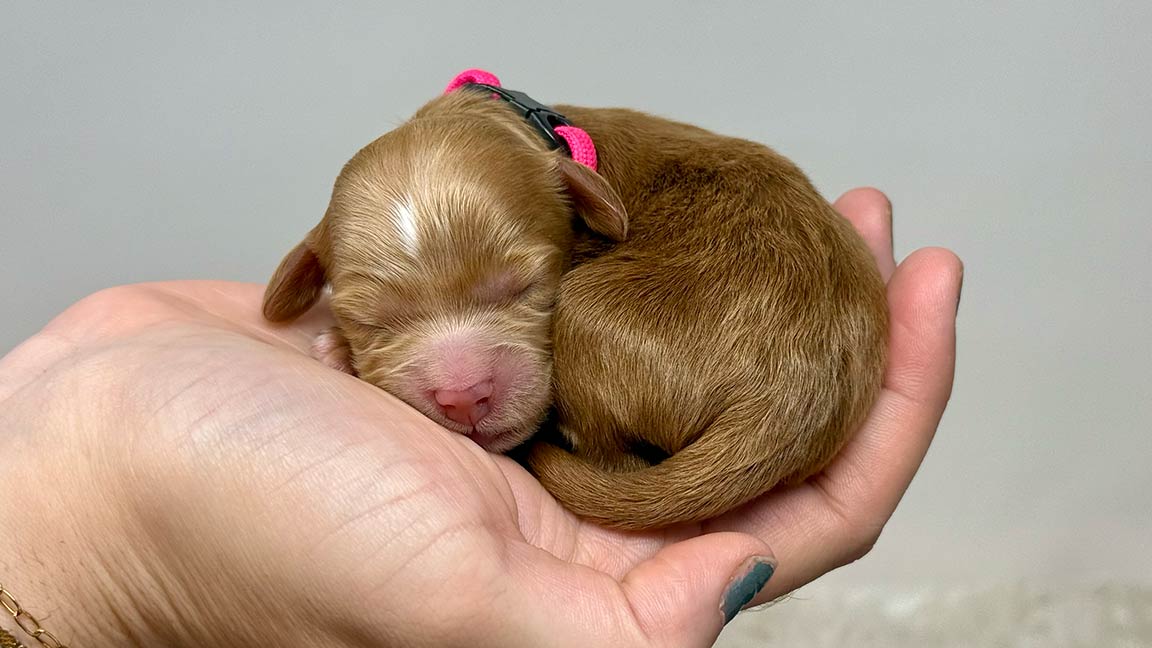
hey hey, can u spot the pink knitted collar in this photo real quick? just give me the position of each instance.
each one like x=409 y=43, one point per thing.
x=553 y=126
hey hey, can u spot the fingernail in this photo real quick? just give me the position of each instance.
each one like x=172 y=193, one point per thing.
x=745 y=587
x=960 y=290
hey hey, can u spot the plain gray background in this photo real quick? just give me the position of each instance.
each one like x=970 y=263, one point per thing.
x=145 y=141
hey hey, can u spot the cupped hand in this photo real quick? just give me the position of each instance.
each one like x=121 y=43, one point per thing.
x=178 y=472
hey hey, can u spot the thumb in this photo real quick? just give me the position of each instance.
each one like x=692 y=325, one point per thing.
x=687 y=592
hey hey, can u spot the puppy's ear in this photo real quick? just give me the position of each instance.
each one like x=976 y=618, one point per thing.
x=296 y=284
x=595 y=200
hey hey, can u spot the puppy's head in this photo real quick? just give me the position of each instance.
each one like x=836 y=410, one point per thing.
x=443 y=246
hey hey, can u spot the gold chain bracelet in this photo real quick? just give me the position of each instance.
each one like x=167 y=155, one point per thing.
x=8 y=641
x=25 y=622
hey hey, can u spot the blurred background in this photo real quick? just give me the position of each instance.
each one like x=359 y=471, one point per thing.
x=145 y=141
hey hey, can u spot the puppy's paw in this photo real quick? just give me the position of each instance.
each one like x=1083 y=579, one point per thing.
x=331 y=348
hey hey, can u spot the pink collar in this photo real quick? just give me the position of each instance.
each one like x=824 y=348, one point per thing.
x=552 y=125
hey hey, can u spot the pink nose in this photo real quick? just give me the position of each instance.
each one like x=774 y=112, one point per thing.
x=465 y=406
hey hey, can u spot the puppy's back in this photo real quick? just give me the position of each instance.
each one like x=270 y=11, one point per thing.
x=739 y=331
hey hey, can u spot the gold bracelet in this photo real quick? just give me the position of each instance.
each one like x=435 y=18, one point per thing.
x=8 y=641
x=25 y=622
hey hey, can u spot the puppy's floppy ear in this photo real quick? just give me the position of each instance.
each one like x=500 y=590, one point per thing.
x=296 y=284
x=595 y=200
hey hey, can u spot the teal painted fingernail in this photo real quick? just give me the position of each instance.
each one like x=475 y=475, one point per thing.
x=746 y=587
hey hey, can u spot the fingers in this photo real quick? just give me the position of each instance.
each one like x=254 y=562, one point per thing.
x=836 y=517
x=680 y=597
x=923 y=299
x=685 y=594
x=29 y=360
x=865 y=483
x=870 y=212
x=238 y=306
x=220 y=304
x=109 y=312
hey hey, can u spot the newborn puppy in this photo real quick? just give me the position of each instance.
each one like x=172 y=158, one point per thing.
x=727 y=338
x=732 y=343
x=443 y=246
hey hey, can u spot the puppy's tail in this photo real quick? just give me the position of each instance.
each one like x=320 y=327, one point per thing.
x=735 y=460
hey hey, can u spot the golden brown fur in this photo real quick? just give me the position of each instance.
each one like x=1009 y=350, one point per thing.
x=725 y=335
x=471 y=295
x=739 y=331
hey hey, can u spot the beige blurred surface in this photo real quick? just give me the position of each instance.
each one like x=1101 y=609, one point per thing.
x=1031 y=616
x=142 y=142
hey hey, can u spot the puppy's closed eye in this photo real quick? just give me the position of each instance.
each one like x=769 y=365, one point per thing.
x=504 y=286
x=519 y=276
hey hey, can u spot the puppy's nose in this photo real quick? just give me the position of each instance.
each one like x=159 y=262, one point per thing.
x=465 y=406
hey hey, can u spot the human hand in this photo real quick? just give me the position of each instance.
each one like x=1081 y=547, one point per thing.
x=177 y=472
x=836 y=517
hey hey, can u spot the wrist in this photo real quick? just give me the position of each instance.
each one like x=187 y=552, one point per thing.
x=45 y=563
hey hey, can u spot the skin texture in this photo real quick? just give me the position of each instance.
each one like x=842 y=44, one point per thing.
x=734 y=340
x=178 y=472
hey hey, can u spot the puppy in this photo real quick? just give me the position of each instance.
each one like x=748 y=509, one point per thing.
x=443 y=245
x=717 y=328
x=732 y=343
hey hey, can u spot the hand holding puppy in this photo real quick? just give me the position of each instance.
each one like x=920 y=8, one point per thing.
x=177 y=472
x=727 y=339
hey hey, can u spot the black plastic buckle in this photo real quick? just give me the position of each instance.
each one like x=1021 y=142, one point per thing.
x=541 y=117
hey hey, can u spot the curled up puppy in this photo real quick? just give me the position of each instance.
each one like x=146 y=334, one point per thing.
x=720 y=331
